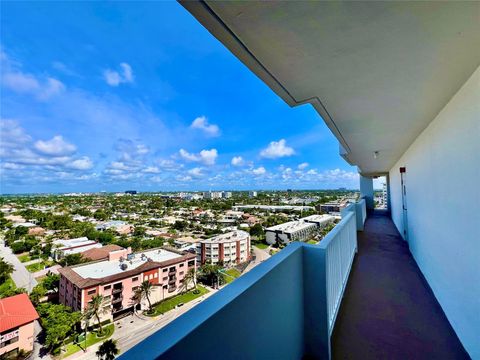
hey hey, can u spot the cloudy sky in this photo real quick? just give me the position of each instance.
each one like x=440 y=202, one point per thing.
x=101 y=96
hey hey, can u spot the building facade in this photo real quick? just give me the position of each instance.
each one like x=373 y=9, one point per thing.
x=229 y=249
x=300 y=230
x=17 y=317
x=117 y=278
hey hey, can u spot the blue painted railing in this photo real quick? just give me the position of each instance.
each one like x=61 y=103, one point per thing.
x=285 y=308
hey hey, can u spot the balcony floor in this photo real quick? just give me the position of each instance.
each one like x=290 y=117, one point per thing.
x=388 y=310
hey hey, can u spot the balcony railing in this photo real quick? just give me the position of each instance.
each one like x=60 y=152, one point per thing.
x=293 y=297
x=117 y=290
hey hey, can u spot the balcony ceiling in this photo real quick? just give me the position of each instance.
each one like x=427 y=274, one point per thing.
x=377 y=73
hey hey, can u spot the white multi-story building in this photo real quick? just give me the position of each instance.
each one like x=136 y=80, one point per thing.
x=212 y=195
x=252 y=194
x=230 y=248
x=226 y=194
x=299 y=230
x=290 y=231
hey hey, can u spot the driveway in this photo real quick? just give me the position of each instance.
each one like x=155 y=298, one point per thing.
x=20 y=276
x=260 y=256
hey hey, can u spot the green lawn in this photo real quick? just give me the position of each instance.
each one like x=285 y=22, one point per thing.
x=7 y=286
x=24 y=258
x=171 y=303
x=91 y=339
x=314 y=242
x=39 y=266
x=35 y=267
x=234 y=273
x=261 y=246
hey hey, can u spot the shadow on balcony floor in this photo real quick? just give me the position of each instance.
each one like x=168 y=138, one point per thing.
x=388 y=310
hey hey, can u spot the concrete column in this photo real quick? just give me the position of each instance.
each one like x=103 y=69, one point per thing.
x=366 y=190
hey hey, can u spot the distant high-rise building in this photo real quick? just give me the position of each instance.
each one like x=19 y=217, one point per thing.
x=252 y=194
x=226 y=194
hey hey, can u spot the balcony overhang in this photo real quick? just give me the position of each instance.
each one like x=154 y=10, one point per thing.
x=377 y=72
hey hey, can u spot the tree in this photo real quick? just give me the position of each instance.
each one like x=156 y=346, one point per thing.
x=72 y=259
x=58 y=322
x=257 y=231
x=6 y=269
x=136 y=299
x=96 y=308
x=190 y=277
x=212 y=274
x=145 y=290
x=38 y=292
x=51 y=282
x=108 y=350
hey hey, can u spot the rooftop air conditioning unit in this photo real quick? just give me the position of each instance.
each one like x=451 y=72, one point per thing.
x=123 y=266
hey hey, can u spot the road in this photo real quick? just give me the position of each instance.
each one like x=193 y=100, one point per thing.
x=131 y=330
x=20 y=276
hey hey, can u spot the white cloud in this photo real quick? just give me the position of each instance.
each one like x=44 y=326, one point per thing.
x=84 y=163
x=237 y=161
x=277 y=149
x=206 y=157
x=196 y=172
x=259 y=171
x=115 y=78
x=55 y=147
x=303 y=166
x=201 y=123
x=151 y=170
x=28 y=84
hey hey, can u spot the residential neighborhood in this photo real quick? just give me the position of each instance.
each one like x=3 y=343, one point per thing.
x=77 y=269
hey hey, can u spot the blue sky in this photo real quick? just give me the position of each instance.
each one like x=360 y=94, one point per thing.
x=112 y=96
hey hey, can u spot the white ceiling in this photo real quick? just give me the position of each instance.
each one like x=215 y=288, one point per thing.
x=377 y=72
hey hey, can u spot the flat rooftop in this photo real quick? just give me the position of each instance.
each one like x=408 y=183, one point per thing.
x=291 y=226
x=82 y=241
x=318 y=218
x=97 y=270
x=227 y=237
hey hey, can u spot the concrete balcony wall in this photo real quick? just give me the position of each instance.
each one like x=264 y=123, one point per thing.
x=285 y=308
x=443 y=193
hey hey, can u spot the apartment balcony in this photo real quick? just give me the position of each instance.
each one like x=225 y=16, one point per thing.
x=117 y=299
x=117 y=290
x=356 y=295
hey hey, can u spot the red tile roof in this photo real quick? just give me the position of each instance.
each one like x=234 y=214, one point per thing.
x=100 y=253
x=16 y=311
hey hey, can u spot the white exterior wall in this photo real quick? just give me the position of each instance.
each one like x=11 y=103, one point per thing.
x=443 y=200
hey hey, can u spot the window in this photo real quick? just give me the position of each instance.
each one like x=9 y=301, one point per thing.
x=135 y=288
x=107 y=297
x=165 y=270
x=107 y=287
x=155 y=275
x=191 y=263
x=135 y=278
x=181 y=273
x=10 y=341
x=182 y=265
x=165 y=278
x=91 y=292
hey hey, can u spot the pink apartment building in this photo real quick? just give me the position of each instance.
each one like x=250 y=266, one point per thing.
x=17 y=317
x=117 y=278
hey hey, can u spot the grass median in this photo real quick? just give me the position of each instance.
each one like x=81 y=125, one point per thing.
x=92 y=339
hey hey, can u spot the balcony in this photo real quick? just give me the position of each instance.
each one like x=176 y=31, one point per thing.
x=117 y=299
x=117 y=290
x=295 y=297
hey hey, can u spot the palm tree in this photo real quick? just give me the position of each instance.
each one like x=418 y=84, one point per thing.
x=190 y=277
x=136 y=299
x=145 y=290
x=107 y=350
x=96 y=307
